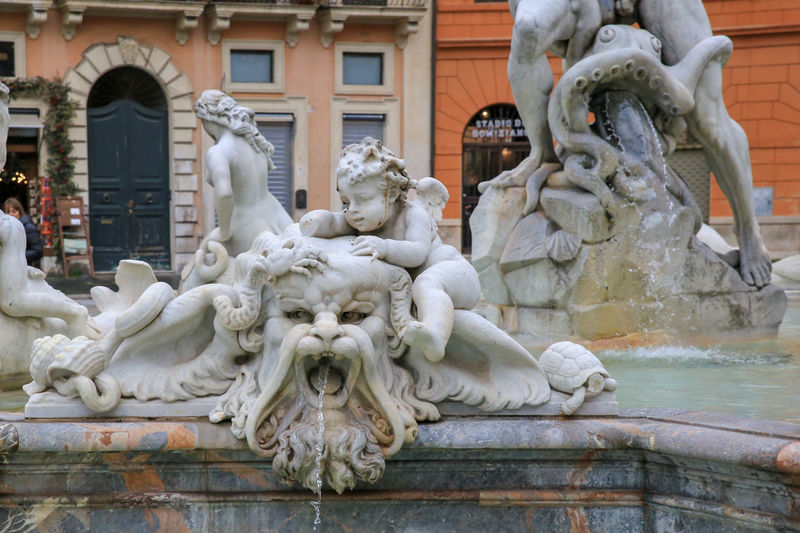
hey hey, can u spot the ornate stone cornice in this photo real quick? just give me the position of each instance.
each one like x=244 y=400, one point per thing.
x=405 y=14
x=296 y=16
x=36 y=11
x=185 y=13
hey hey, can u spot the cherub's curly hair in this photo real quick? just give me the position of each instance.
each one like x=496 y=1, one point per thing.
x=369 y=157
x=219 y=108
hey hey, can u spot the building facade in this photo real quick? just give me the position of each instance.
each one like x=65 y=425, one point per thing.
x=316 y=76
x=477 y=130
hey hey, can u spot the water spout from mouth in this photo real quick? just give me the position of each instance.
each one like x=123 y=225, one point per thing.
x=322 y=381
x=330 y=383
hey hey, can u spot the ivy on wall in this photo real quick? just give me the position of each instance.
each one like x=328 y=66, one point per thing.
x=60 y=163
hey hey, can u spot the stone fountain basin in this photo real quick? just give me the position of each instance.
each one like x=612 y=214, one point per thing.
x=646 y=470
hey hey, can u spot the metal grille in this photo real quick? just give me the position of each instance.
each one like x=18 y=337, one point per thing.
x=355 y=127
x=692 y=167
x=281 y=179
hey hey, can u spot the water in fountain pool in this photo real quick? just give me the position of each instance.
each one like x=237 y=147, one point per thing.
x=756 y=378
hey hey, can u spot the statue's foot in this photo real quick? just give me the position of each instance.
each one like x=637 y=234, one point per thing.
x=515 y=177
x=755 y=265
x=216 y=416
x=420 y=336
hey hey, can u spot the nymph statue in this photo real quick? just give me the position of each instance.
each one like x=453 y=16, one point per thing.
x=237 y=167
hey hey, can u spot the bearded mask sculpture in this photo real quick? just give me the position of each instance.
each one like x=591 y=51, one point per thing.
x=328 y=356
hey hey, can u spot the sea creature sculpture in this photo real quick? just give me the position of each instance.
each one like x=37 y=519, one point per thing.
x=614 y=228
x=628 y=60
x=676 y=29
x=75 y=368
x=573 y=369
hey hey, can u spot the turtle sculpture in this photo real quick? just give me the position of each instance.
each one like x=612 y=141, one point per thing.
x=574 y=370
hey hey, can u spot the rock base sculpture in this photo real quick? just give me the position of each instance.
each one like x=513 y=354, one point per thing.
x=603 y=244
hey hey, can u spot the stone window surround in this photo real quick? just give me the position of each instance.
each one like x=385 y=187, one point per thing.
x=297 y=106
x=103 y=57
x=385 y=49
x=389 y=107
x=18 y=38
x=278 y=66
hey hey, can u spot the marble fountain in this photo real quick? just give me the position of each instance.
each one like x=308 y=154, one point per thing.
x=335 y=374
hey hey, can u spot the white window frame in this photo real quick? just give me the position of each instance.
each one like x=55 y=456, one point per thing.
x=278 y=66
x=18 y=38
x=385 y=49
x=388 y=107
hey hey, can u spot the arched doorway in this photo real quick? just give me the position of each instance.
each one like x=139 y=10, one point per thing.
x=128 y=161
x=494 y=140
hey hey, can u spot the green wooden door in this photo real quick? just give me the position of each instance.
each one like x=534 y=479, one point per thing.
x=128 y=184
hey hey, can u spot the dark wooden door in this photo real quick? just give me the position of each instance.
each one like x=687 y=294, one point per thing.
x=128 y=184
x=481 y=163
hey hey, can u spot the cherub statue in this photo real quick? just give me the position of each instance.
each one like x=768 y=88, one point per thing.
x=238 y=165
x=567 y=28
x=373 y=185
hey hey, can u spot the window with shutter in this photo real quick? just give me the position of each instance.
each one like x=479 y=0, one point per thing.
x=356 y=126
x=278 y=128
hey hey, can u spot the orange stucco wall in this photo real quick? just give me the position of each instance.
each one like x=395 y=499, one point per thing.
x=309 y=66
x=308 y=91
x=761 y=86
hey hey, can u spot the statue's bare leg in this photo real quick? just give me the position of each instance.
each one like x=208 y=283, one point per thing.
x=537 y=26
x=680 y=24
x=728 y=156
x=43 y=305
x=437 y=292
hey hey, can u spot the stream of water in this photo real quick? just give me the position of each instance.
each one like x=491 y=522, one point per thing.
x=319 y=447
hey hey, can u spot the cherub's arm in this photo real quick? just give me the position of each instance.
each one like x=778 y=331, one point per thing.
x=408 y=253
x=325 y=224
x=219 y=174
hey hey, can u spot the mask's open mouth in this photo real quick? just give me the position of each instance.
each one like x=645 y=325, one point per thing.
x=335 y=374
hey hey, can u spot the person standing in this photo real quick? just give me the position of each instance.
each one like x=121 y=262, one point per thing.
x=33 y=248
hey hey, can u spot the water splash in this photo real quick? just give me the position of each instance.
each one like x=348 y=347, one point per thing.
x=705 y=356
x=319 y=446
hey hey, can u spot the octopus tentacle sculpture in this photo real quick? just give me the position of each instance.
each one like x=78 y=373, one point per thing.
x=629 y=59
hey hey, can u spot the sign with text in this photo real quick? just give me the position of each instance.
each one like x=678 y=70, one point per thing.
x=496 y=124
